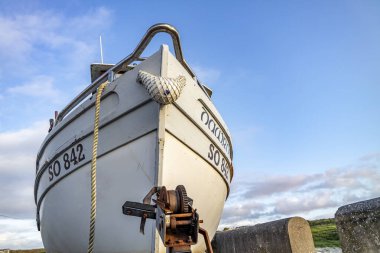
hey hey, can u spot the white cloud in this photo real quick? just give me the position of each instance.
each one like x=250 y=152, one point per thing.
x=278 y=184
x=23 y=141
x=19 y=234
x=305 y=202
x=47 y=43
x=18 y=151
x=307 y=195
x=40 y=45
x=22 y=34
x=13 y=41
x=39 y=86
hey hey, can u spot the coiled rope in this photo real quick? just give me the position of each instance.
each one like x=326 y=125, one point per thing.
x=93 y=168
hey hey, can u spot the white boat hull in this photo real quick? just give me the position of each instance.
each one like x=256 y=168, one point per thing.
x=141 y=144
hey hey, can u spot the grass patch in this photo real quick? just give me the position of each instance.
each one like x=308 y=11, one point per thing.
x=324 y=233
x=28 y=251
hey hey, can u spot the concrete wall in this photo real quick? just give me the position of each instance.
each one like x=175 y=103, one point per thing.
x=358 y=226
x=291 y=235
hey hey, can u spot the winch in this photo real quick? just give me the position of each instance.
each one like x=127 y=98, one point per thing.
x=176 y=220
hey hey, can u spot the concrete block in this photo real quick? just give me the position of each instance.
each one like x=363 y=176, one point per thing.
x=291 y=235
x=358 y=226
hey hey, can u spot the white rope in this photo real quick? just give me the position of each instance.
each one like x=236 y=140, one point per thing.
x=93 y=168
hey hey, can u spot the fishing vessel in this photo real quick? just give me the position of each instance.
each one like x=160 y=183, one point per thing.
x=157 y=126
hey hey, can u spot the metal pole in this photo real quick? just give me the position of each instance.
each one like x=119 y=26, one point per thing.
x=101 y=48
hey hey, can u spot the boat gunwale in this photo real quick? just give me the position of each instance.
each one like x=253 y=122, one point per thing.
x=46 y=164
x=50 y=136
x=57 y=129
x=39 y=172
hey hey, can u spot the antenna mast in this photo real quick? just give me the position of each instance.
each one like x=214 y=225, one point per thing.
x=101 y=48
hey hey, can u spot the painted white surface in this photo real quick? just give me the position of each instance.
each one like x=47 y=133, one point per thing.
x=203 y=184
x=124 y=174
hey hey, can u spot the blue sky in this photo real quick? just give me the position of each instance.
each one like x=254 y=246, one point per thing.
x=298 y=83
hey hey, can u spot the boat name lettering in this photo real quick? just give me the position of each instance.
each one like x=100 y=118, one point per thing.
x=69 y=159
x=215 y=156
x=211 y=124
